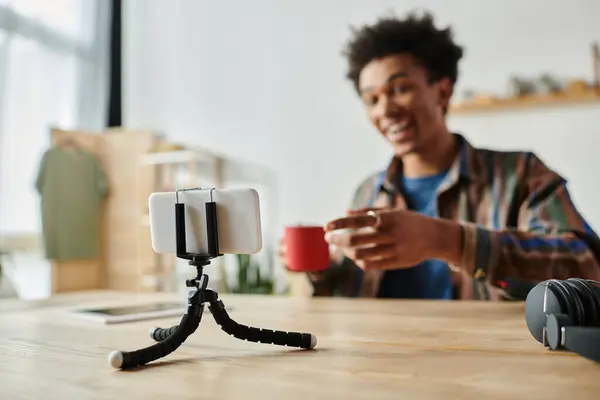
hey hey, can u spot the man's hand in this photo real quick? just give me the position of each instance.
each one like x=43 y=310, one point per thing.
x=392 y=239
x=282 y=256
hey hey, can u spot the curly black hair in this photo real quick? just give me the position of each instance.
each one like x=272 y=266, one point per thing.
x=432 y=48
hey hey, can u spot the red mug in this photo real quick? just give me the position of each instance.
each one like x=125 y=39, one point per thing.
x=306 y=248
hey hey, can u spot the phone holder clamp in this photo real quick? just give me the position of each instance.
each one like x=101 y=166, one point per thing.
x=169 y=339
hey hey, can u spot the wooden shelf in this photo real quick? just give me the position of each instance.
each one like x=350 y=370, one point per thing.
x=531 y=101
x=177 y=157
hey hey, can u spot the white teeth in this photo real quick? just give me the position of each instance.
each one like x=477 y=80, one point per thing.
x=397 y=128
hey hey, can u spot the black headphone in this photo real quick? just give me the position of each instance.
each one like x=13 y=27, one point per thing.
x=565 y=314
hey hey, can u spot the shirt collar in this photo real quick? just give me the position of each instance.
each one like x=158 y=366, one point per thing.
x=466 y=166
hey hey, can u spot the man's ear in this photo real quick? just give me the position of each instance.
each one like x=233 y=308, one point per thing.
x=444 y=88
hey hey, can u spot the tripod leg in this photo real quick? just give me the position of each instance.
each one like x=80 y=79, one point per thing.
x=251 y=334
x=159 y=334
x=188 y=325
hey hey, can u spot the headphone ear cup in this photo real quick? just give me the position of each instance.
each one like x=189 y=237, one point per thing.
x=564 y=315
x=535 y=317
x=589 y=294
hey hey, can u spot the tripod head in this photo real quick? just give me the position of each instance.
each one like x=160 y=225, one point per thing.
x=169 y=339
x=565 y=315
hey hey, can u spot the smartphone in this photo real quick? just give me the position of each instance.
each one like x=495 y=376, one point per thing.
x=238 y=220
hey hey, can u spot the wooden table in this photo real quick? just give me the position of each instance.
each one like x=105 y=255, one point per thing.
x=367 y=349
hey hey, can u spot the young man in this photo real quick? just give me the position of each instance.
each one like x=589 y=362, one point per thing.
x=445 y=220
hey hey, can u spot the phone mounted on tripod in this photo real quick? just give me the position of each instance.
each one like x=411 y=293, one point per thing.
x=169 y=339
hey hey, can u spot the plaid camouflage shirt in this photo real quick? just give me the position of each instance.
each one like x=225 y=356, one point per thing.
x=520 y=227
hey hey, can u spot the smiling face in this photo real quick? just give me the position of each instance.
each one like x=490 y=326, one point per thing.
x=403 y=103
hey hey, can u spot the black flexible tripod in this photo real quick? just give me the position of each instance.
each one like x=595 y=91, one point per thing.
x=169 y=339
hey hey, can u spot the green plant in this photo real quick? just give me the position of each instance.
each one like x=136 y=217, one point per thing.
x=250 y=279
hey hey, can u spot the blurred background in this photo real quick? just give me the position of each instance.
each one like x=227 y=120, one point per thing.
x=177 y=93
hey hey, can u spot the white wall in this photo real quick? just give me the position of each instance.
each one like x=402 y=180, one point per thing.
x=264 y=81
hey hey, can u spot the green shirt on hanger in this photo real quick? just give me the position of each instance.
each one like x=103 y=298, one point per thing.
x=72 y=184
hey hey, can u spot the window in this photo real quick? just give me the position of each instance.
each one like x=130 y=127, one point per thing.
x=53 y=72
x=62 y=16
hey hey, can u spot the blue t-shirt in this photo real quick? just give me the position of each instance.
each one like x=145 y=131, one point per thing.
x=431 y=279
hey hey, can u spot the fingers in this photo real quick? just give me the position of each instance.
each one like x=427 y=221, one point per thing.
x=363 y=211
x=358 y=238
x=282 y=250
x=378 y=218
x=351 y=222
x=282 y=254
x=386 y=263
x=372 y=253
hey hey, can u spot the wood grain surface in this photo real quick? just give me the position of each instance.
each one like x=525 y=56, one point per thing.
x=367 y=349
